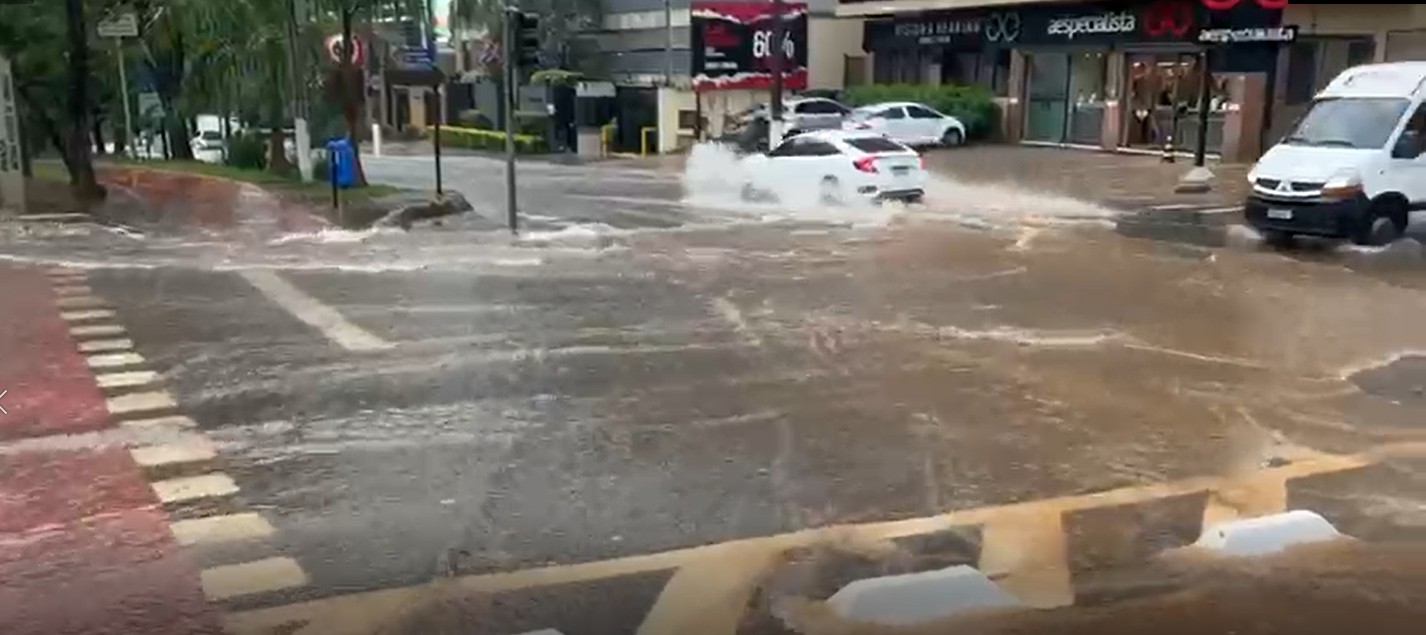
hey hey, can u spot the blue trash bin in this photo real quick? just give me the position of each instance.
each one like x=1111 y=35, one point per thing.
x=341 y=162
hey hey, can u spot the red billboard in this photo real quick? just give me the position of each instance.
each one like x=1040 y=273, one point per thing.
x=732 y=44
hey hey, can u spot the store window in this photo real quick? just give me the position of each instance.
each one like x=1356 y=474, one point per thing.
x=1312 y=62
x=1163 y=102
x=1066 y=97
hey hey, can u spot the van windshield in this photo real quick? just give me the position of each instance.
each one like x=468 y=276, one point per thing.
x=1348 y=123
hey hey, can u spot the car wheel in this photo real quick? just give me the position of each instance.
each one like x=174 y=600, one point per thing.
x=1386 y=224
x=831 y=191
x=952 y=138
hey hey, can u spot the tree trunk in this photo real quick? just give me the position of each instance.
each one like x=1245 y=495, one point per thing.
x=81 y=164
x=351 y=94
x=277 y=162
x=180 y=142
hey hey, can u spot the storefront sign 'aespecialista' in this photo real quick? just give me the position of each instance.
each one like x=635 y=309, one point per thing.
x=1071 y=26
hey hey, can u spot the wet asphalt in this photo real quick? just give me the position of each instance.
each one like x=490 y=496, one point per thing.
x=639 y=374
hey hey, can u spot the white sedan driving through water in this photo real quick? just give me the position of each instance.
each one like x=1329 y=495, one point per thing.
x=835 y=167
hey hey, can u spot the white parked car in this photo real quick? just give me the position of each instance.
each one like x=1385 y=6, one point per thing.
x=801 y=114
x=909 y=123
x=835 y=166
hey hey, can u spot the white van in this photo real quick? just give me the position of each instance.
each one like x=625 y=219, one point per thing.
x=1353 y=165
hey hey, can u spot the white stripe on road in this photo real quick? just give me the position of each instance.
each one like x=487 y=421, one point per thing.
x=320 y=316
x=140 y=402
x=115 y=360
x=97 y=330
x=1167 y=208
x=193 y=450
x=272 y=574
x=1222 y=210
x=92 y=314
x=227 y=528
x=189 y=488
x=80 y=302
x=63 y=271
x=73 y=289
x=175 y=421
x=105 y=346
x=127 y=380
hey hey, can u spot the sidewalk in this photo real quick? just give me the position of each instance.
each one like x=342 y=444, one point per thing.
x=85 y=545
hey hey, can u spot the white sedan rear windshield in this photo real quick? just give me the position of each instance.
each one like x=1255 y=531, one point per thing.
x=875 y=145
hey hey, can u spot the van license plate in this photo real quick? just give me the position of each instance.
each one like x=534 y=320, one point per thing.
x=1278 y=213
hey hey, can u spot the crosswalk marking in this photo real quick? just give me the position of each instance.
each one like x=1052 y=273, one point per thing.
x=73 y=289
x=140 y=402
x=175 y=421
x=126 y=380
x=225 y=528
x=79 y=302
x=189 y=488
x=97 y=330
x=90 y=314
x=193 y=450
x=105 y=346
x=271 y=574
x=115 y=360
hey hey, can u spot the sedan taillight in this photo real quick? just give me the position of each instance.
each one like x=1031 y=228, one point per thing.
x=865 y=164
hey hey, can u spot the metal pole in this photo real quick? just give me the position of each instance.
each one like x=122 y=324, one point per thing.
x=437 y=137
x=512 y=19
x=124 y=96
x=774 y=126
x=668 y=42
x=1205 y=100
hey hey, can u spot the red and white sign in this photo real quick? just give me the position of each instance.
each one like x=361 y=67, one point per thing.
x=334 y=50
x=733 y=45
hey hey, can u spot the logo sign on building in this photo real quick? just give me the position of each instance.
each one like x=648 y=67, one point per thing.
x=1276 y=34
x=733 y=45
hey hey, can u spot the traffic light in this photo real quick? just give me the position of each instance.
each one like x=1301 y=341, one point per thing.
x=527 y=39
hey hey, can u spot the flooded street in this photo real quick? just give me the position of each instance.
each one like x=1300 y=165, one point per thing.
x=657 y=367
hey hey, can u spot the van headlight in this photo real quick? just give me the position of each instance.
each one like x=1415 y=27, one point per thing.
x=1343 y=185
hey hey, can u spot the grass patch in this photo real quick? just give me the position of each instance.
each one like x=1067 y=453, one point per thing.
x=268 y=180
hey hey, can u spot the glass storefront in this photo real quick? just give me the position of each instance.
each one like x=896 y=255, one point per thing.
x=1163 y=102
x=1066 y=97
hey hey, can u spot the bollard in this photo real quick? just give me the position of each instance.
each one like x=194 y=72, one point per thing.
x=376 y=139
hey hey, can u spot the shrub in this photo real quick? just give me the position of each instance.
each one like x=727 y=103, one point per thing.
x=973 y=105
x=491 y=140
x=534 y=124
x=475 y=120
x=247 y=151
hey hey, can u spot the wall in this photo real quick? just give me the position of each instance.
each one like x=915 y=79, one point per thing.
x=829 y=42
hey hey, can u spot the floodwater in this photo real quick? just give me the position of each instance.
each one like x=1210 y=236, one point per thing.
x=654 y=364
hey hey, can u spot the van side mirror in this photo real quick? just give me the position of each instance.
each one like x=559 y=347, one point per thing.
x=1408 y=145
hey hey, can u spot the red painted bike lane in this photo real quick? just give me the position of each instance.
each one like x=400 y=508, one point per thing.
x=84 y=544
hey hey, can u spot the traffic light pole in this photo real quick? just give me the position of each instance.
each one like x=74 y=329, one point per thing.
x=512 y=22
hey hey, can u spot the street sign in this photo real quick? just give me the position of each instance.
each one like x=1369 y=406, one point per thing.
x=334 y=50
x=124 y=24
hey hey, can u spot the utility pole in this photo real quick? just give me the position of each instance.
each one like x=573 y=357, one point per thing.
x=774 y=124
x=1205 y=101
x=511 y=55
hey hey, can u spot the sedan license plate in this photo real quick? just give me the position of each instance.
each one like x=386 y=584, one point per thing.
x=901 y=170
x=1278 y=213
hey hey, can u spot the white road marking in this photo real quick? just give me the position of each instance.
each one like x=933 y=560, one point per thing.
x=1222 y=210
x=320 y=316
x=226 y=528
x=63 y=271
x=1175 y=206
x=175 y=421
x=115 y=360
x=140 y=402
x=127 y=380
x=272 y=574
x=80 y=302
x=97 y=330
x=189 y=451
x=91 y=314
x=104 y=346
x=73 y=289
x=189 y=488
